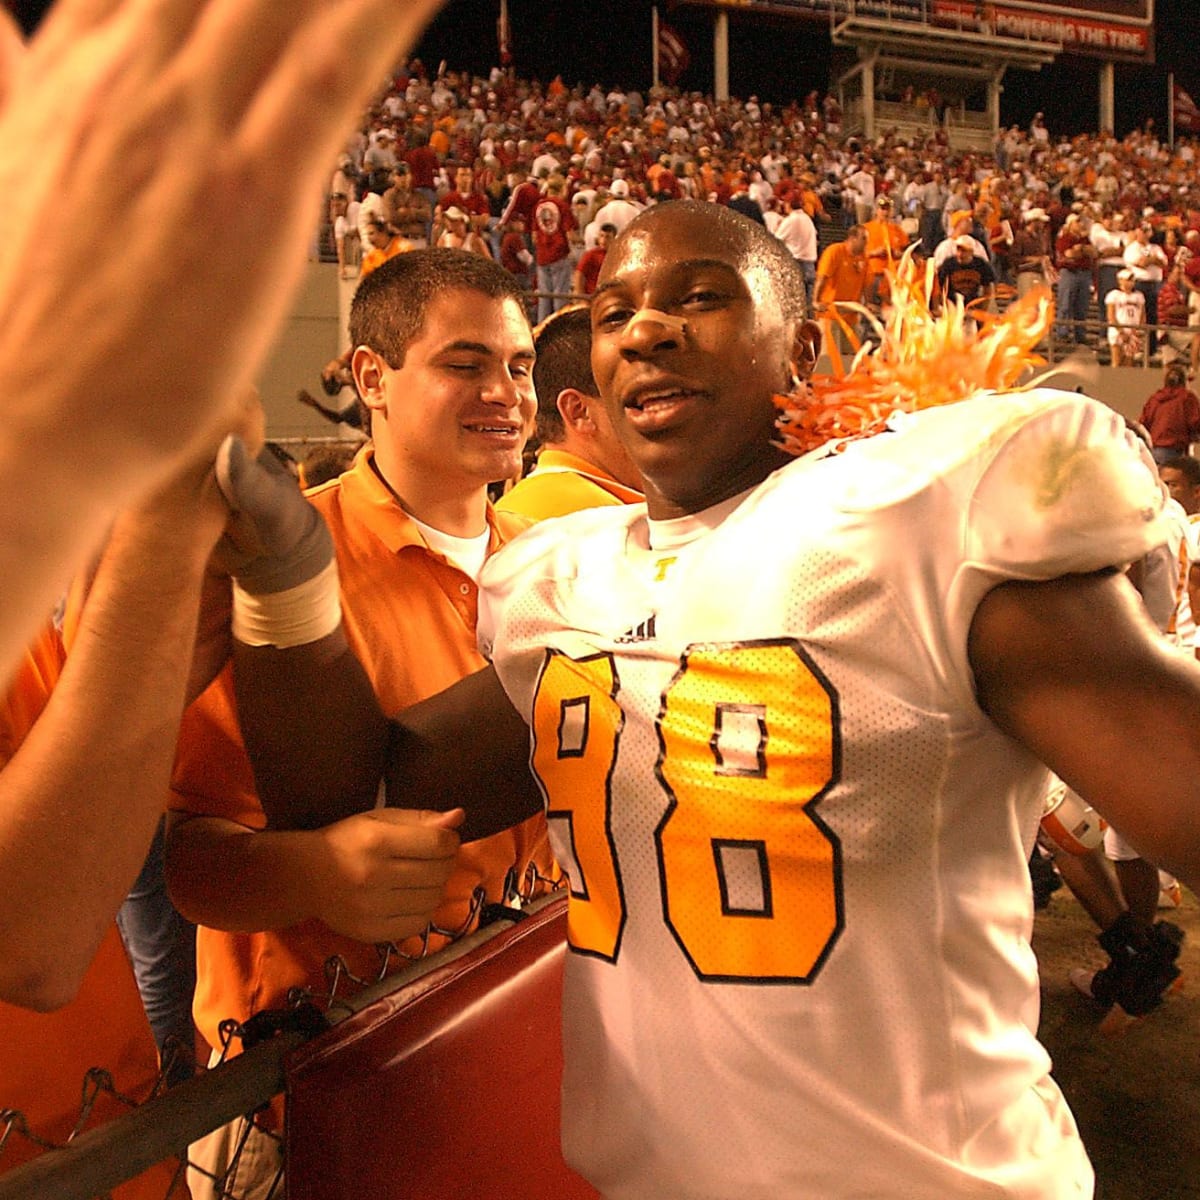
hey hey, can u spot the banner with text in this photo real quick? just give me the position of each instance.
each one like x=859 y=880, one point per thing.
x=1098 y=28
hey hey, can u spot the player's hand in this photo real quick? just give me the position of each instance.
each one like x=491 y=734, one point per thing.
x=157 y=179
x=384 y=872
x=276 y=539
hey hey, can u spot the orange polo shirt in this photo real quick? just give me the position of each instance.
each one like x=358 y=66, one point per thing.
x=410 y=617
x=842 y=275
x=44 y=1056
x=563 y=483
x=886 y=242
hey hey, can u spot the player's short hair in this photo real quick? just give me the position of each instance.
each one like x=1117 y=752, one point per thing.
x=388 y=311
x=749 y=240
x=564 y=360
x=1187 y=466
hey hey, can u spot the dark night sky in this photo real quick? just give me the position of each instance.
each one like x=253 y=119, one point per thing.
x=609 y=41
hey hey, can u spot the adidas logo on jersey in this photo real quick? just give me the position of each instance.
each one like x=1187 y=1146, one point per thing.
x=643 y=632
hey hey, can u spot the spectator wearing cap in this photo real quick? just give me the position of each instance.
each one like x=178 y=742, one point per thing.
x=1031 y=252
x=1074 y=257
x=582 y=208
x=961 y=227
x=886 y=242
x=1148 y=263
x=618 y=211
x=458 y=233
x=967 y=279
x=468 y=197
x=1125 y=311
x=381 y=154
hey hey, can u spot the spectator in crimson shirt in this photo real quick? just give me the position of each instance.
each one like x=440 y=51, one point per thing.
x=587 y=272
x=553 y=223
x=469 y=199
x=1174 y=341
x=514 y=252
x=523 y=199
x=1172 y=416
x=423 y=167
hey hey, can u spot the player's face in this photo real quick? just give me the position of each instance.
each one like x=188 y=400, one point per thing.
x=455 y=416
x=1176 y=483
x=688 y=347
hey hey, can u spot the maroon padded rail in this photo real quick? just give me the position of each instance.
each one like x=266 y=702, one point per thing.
x=447 y=1087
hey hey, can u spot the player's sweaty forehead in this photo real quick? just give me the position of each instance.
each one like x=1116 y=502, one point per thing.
x=667 y=238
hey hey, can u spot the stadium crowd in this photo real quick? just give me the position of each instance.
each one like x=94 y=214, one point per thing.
x=540 y=169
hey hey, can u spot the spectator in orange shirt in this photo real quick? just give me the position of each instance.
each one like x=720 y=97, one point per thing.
x=443 y=358
x=384 y=245
x=842 y=277
x=86 y=744
x=886 y=241
x=581 y=462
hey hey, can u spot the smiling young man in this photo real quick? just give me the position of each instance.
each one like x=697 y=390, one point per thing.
x=789 y=752
x=443 y=357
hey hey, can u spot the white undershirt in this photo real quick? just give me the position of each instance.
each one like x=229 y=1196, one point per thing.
x=468 y=554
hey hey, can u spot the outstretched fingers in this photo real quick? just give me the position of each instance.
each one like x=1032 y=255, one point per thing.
x=327 y=74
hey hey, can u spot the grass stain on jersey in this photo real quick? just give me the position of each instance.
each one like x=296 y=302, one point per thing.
x=1062 y=465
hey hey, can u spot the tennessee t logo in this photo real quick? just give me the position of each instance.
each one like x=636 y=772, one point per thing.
x=661 y=567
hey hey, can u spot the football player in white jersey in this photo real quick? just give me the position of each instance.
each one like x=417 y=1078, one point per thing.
x=786 y=720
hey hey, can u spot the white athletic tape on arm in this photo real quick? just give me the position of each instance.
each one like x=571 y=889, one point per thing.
x=295 y=617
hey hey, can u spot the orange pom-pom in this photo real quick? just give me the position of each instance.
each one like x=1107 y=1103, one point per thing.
x=921 y=361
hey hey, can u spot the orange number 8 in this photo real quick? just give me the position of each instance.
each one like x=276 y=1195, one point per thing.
x=751 y=876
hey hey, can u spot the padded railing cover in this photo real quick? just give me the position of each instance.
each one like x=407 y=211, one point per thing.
x=446 y=1087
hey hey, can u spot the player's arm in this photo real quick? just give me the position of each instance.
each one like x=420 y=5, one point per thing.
x=320 y=745
x=82 y=794
x=375 y=877
x=312 y=726
x=1074 y=671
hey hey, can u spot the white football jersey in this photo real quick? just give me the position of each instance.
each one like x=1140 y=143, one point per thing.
x=1165 y=576
x=800 y=910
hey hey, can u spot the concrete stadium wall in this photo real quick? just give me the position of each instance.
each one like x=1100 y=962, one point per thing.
x=313 y=334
